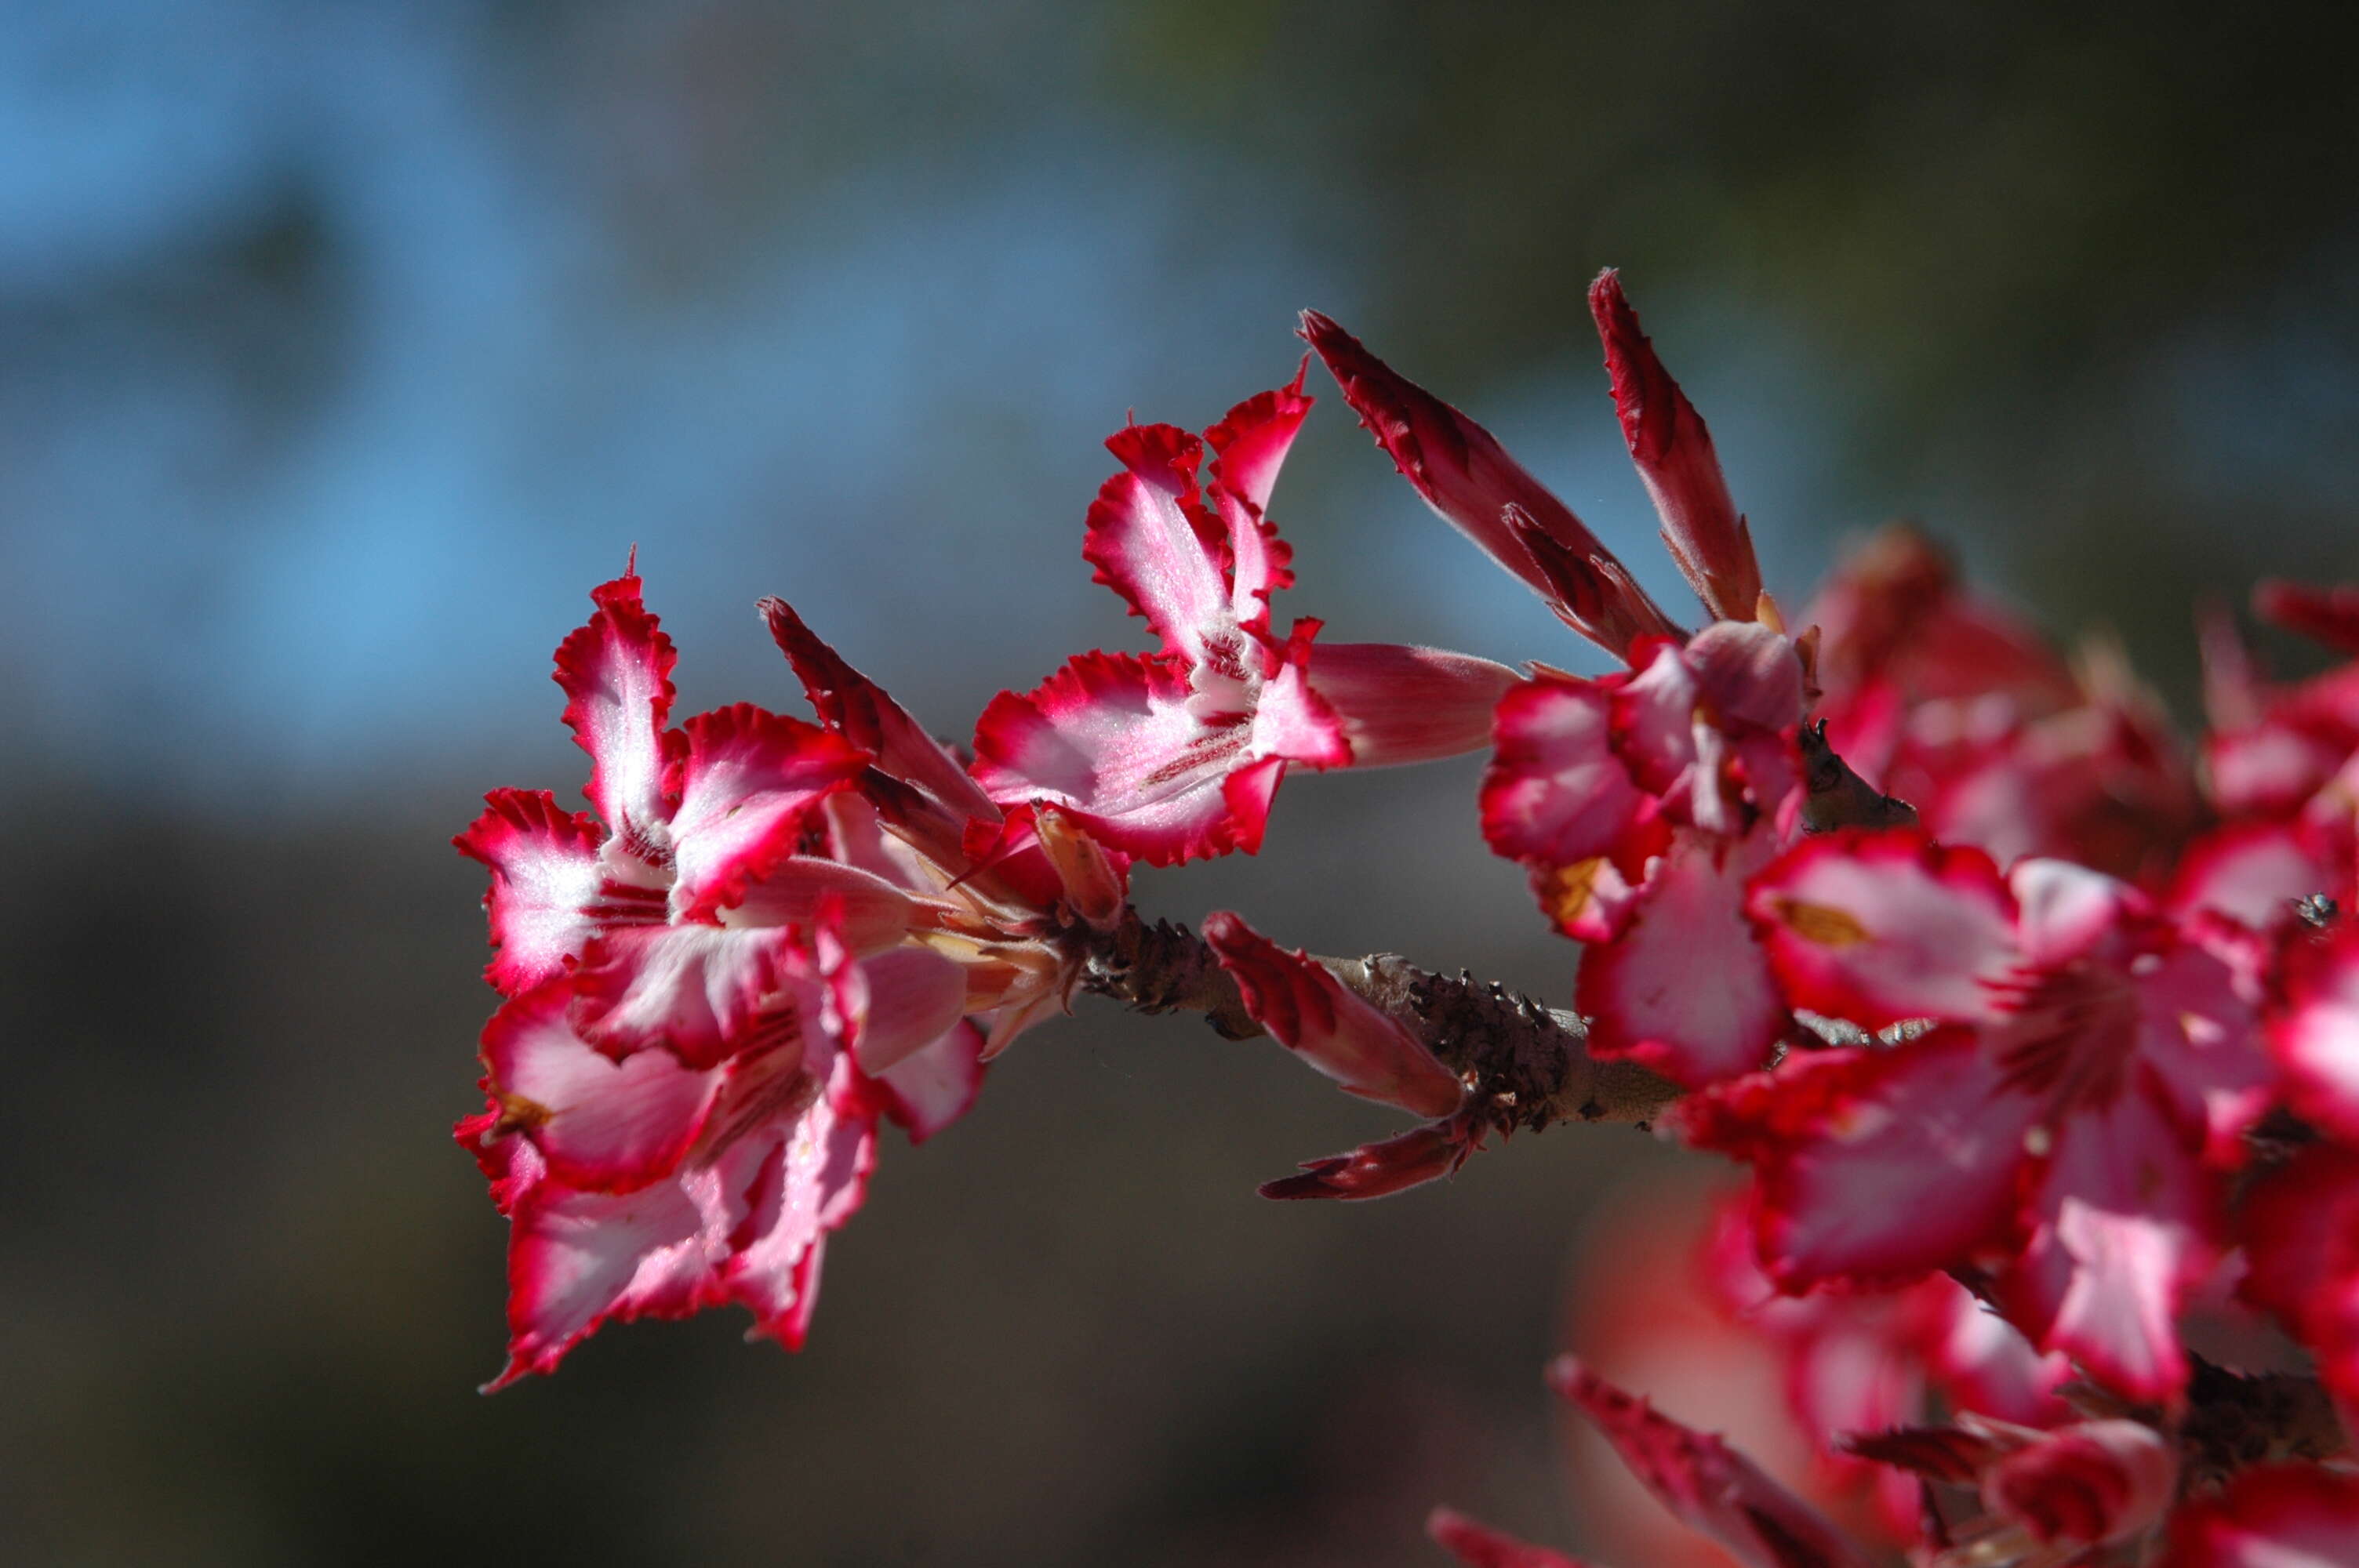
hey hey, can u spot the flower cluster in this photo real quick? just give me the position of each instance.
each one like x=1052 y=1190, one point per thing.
x=2036 y=1033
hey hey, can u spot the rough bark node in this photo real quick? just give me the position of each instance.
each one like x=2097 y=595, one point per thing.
x=1530 y=1063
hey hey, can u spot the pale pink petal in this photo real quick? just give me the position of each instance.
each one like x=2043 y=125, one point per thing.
x=2063 y=911
x=858 y=708
x=1152 y=543
x=1706 y=1484
x=1879 y=927
x=2199 y=1036
x=1655 y=716
x=914 y=996
x=1674 y=454
x=600 y=1124
x=616 y=672
x=1469 y=478
x=1307 y=1009
x=1290 y=720
x=872 y=912
x=2251 y=872
x=1477 y=1545
x=2269 y=769
x=544 y=879
x=806 y=1179
x=2270 y=1516
x=2317 y=1035
x=703 y=992
x=1401 y=704
x=1557 y=794
x=1685 y=989
x=747 y=781
x=2120 y=1229
x=1984 y=1364
x=1748 y=673
x=1876 y=1166
x=933 y=1087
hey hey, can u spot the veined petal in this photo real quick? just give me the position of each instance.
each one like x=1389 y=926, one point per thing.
x=1876 y=1166
x=616 y=672
x=2317 y=1036
x=872 y=914
x=1477 y=1545
x=1399 y=704
x=1748 y=673
x=745 y=785
x=602 y=1125
x=2199 y=1036
x=2120 y=1229
x=1307 y=1009
x=1151 y=541
x=1468 y=478
x=914 y=997
x=2251 y=872
x=1557 y=793
x=935 y=1085
x=545 y=878
x=1685 y=989
x=1705 y=1484
x=2269 y=1516
x=1674 y=455
x=863 y=713
x=703 y=992
x=1879 y=927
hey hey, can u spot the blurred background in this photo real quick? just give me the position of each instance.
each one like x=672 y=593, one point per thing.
x=343 y=347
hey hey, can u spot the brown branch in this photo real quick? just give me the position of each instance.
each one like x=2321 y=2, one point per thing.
x=1529 y=1061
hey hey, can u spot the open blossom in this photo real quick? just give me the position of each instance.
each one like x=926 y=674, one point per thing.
x=2093 y=1069
x=704 y=1025
x=1177 y=755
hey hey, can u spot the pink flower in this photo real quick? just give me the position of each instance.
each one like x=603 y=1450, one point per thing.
x=1176 y=755
x=2047 y=1496
x=2081 y=1067
x=704 y=1024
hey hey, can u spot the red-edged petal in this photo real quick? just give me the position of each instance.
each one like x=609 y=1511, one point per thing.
x=1685 y=989
x=1249 y=445
x=1655 y=716
x=616 y=672
x=933 y=1087
x=703 y=992
x=745 y=785
x=1557 y=794
x=1399 y=704
x=1878 y=927
x=2317 y=1036
x=1674 y=455
x=858 y=708
x=1112 y=739
x=1467 y=477
x=2120 y=1228
x=577 y=1260
x=2301 y=1229
x=1420 y=1155
x=1748 y=674
x=914 y=996
x=2090 y=1484
x=545 y=880
x=2270 y=1516
x=1151 y=542
x=2328 y=615
x=1876 y=1166
x=2268 y=769
x=1479 y=1546
x=1307 y=1009
x=1706 y=1484
x=2251 y=872
x=600 y=1124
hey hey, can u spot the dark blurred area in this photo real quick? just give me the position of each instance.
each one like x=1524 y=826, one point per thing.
x=342 y=348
